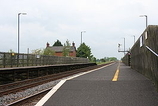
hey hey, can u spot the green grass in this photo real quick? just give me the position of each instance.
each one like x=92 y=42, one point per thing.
x=99 y=63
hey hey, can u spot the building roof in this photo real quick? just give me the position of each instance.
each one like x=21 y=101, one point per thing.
x=60 y=48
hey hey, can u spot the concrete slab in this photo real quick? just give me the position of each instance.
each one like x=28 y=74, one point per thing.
x=98 y=89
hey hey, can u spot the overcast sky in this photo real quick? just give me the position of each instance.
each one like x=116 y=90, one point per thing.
x=106 y=22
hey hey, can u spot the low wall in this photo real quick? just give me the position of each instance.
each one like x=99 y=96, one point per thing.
x=126 y=59
x=143 y=55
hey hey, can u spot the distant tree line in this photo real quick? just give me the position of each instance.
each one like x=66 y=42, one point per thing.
x=106 y=59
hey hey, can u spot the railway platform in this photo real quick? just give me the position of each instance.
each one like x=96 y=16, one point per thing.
x=112 y=85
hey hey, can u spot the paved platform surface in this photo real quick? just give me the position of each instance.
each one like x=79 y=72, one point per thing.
x=98 y=89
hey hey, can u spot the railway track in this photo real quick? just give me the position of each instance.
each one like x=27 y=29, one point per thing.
x=21 y=86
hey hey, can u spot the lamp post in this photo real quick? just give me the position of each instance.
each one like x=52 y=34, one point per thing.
x=124 y=46
x=19 y=35
x=81 y=35
x=146 y=19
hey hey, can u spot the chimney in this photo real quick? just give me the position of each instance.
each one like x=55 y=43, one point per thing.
x=73 y=44
x=47 y=44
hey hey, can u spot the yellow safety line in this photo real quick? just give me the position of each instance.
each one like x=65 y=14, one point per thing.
x=115 y=78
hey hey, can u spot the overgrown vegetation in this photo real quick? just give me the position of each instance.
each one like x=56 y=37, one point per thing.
x=66 y=48
x=106 y=60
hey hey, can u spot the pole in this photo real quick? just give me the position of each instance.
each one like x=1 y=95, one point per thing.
x=18 y=38
x=146 y=21
x=134 y=39
x=124 y=46
x=27 y=50
x=81 y=37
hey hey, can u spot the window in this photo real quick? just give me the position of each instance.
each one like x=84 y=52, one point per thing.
x=146 y=35
x=141 y=41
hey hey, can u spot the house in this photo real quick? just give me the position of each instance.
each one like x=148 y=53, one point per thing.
x=59 y=50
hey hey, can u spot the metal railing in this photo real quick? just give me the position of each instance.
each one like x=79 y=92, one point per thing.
x=22 y=60
x=152 y=51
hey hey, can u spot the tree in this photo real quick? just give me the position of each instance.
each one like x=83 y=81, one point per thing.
x=110 y=58
x=57 y=43
x=11 y=51
x=106 y=59
x=93 y=59
x=38 y=51
x=84 y=51
x=66 y=48
x=113 y=58
x=48 y=51
x=102 y=60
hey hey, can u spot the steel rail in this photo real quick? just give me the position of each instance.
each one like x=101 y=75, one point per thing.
x=152 y=51
x=28 y=97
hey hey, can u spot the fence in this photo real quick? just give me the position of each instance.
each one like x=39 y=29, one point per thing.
x=21 y=60
x=144 y=54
